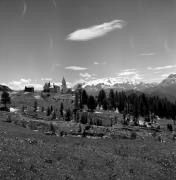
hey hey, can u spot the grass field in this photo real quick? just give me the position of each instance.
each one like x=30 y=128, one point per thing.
x=26 y=154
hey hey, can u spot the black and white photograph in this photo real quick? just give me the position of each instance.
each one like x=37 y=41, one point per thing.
x=87 y=89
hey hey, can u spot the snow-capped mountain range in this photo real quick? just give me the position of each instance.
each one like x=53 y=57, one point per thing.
x=166 y=88
x=107 y=83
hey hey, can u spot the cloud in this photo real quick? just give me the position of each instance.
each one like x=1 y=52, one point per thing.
x=76 y=68
x=46 y=79
x=165 y=75
x=129 y=74
x=97 y=63
x=24 y=9
x=148 y=54
x=161 y=67
x=96 y=31
x=85 y=75
x=54 y=3
x=25 y=80
x=19 y=85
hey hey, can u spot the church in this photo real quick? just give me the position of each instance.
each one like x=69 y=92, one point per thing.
x=52 y=88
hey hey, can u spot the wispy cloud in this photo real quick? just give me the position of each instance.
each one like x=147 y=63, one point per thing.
x=129 y=74
x=24 y=8
x=148 y=54
x=54 y=3
x=85 y=75
x=166 y=46
x=46 y=79
x=96 y=31
x=100 y=63
x=165 y=75
x=76 y=68
x=161 y=67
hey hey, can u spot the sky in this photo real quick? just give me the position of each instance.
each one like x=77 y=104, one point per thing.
x=85 y=40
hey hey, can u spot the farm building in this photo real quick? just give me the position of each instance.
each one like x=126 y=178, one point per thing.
x=29 y=89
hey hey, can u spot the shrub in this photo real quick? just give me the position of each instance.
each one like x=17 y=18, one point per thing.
x=68 y=115
x=169 y=127
x=52 y=129
x=43 y=109
x=48 y=112
x=84 y=118
x=53 y=115
x=9 y=119
x=35 y=106
x=133 y=135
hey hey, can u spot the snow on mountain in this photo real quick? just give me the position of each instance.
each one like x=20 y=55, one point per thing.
x=106 y=83
x=169 y=81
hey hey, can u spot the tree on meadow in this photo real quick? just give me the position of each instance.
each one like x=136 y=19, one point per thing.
x=35 y=106
x=91 y=103
x=54 y=115
x=5 y=99
x=79 y=93
x=76 y=103
x=48 y=112
x=68 y=115
x=61 y=109
x=84 y=97
x=105 y=104
x=111 y=99
x=101 y=97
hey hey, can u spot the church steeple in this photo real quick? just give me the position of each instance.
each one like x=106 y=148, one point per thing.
x=64 y=85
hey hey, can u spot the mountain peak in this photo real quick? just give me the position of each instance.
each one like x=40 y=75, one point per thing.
x=171 y=76
x=170 y=80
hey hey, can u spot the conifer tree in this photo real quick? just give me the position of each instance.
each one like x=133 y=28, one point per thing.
x=101 y=97
x=105 y=104
x=48 y=111
x=91 y=103
x=84 y=97
x=61 y=109
x=35 y=106
x=111 y=99
x=5 y=99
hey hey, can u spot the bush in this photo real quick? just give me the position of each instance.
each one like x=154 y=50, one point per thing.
x=84 y=118
x=53 y=116
x=9 y=120
x=169 y=127
x=52 y=129
x=133 y=135
x=68 y=115
x=4 y=109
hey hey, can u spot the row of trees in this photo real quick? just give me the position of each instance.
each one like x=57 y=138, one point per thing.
x=136 y=105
